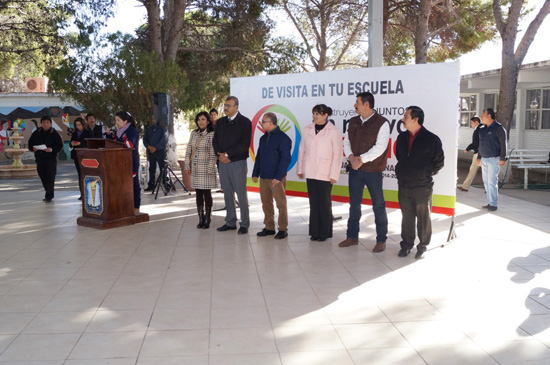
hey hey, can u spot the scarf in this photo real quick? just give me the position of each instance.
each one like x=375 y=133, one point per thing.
x=121 y=131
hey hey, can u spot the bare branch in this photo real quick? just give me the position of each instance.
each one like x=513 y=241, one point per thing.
x=532 y=30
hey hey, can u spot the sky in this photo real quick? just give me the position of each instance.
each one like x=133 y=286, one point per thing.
x=131 y=13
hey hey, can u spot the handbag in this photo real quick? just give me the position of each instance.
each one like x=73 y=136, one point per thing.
x=194 y=150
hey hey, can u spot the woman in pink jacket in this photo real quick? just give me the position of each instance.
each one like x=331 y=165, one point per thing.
x=319 y=161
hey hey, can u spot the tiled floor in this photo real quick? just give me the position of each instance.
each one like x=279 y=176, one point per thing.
x=165 y=292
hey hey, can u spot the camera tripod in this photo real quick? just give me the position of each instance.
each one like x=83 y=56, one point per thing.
x=165 y=181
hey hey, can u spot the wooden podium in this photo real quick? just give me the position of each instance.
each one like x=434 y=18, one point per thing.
x=107 y=183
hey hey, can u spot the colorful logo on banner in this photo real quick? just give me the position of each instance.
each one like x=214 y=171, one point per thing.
x=288 y=124
x=93 y=194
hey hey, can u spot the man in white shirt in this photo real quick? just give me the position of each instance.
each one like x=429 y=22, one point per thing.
x=366 y=147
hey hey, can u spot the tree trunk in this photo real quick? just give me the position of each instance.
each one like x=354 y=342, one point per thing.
x=174 y=16
x=155 y=28
x=507 y=98
x=422 y=30
x=512 y=60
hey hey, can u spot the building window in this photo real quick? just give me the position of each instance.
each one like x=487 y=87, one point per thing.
x=491 y=101
x=468 y=105
x=537 y=110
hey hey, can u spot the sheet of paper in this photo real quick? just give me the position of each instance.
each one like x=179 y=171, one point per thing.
x=41 y=147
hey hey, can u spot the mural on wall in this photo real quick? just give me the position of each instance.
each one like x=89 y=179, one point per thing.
x=28 y=118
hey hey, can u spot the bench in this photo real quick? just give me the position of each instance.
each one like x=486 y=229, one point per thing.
x=529 y=159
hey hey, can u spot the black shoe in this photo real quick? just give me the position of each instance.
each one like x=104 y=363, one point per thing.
x=79 y=198
x=486 y=206
x=321 y=239
x=242 y=230
x=265 y=232
x=150 y=188
x=280 y=235
x=312 y=238
x=492 y=208
x=404 y=252
x=47 y=200
x=225 y=227
x=419 y=255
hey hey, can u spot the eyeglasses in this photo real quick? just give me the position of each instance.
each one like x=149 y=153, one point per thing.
x=266 y=121
x=229 y=105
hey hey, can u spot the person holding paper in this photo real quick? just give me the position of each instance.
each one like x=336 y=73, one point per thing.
x=46 y=143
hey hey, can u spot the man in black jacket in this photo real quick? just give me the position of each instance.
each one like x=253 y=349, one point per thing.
x=97 y=130
x=231 y=143
x=46 y=144
x=476 y=124
x=419 y=156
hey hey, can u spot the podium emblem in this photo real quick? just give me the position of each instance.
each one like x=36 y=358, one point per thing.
x=93 y=195
x=90 y=162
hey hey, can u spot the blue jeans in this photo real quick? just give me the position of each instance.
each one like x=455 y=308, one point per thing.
x=490 y=167
x=373 y=180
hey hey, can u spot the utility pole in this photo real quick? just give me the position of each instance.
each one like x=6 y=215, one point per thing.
x=376 y=33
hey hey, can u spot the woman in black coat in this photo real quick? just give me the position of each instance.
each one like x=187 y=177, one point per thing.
x=78 y=140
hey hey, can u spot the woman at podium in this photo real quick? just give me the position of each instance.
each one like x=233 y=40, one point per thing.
x=78 y=140
x=128 y=134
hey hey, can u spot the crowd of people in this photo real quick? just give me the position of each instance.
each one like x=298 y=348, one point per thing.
x=218 y=150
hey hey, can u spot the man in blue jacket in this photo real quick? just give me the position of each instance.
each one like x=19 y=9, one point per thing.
x=271 y=165
x=492 y=155
x=155 y=140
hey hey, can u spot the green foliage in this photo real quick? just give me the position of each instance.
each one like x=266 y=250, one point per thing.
x=476 y=26
x=472 y=24
x=30 y=40
x=124 y=80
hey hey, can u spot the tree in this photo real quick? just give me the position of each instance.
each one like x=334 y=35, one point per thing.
x=333 y=32
x=30 y=39
x=219 y=39
x=512 y=57
x=125 y=80
x=33 y=34
x=441 y=30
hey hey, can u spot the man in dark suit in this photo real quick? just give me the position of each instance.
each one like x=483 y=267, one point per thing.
x=97 y=130
x=420 y=156
x=231 y=143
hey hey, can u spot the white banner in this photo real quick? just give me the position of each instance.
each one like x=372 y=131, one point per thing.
x=432 y=87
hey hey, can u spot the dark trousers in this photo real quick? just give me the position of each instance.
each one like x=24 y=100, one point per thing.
x=46 y=170
x=204 y=197
x=320 y=208
x=233 y=181
x=357 y=182
x=77 y=165
x=154 y=159
x=416 y=205
x=137 y=192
